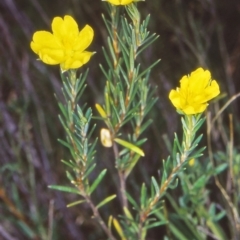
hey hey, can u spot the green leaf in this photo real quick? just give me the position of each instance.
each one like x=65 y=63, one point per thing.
x=132 y=164
x=111 y=49
x=141 y=141
x=97 y=181
x=158 y=208
x=200 y=182
x=106 y=200
x=69 y=176
x=173 y=184
x=89 y=170
x=145 y=126
x=122 y=104
x=148 y=42
x=64 y=143
x=197 y=140
x=155 y=184
x=129 y=146
x=103 y=71
x=156 y=224
x=65 y=189
x=199 y=124
x=219 y=216
x=62 y=109
x=107 y=26
x=220 y=168
x=69 y=164
x=29 y=233
x=197 y=154
x=116 y=112
x=164 y=171
x=146 y=70
x=178 y=233
x=176 y=141
x=143 y=196
x=129 y=215
x=76 y=203
x=132 y=201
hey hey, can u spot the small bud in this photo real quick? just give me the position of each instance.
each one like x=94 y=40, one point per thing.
x=105 y=137
x=191 y=162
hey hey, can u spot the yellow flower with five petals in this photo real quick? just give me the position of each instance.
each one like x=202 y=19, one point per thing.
x=65 y=46
x=194 y=92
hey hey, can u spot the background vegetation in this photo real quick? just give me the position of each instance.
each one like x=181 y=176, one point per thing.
x=195 y=33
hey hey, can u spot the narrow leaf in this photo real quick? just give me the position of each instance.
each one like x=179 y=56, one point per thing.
x=129 y=146
x=127 y=213
x=65 y=189
x=118 y=229
x=101 y=111
x=220 y=168
x=97 y=181
x=110 y=219
x=106 y=200
x=143 y=196
x=75 y=203
x=155 y=184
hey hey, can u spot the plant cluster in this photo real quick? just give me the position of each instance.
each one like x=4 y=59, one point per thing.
x=124 y=112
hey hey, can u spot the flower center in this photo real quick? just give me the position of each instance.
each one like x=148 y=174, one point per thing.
x=68 y=45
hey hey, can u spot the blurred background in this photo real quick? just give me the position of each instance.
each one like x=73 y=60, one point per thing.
x=193 y=33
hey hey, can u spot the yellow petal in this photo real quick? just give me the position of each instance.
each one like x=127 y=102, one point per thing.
x=84 y=38
x=199 y=80
x=47 y=47
x=125 y=2
x=51 y=56
x=176 y=99
x=76 y=61
x=64 y=28
x=194 y=109
x=44 y=39
x=184 y=82
x=212 y=91
x=120 y=2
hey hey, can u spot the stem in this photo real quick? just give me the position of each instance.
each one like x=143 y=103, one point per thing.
x=122 y=180
x=230 y=177
x=99 y=218
x=79 y=158
x=115 y=36
x=145 y=213
x=123 y=188
x=187 y=142
x=140 y=233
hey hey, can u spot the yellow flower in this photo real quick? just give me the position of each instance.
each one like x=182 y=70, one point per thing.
x=120 y=2
x=194 y=92
x=65 y=46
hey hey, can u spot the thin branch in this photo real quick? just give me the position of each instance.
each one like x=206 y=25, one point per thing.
x=98 y=217
x=50 y=219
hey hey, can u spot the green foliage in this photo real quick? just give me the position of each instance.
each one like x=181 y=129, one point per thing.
x=192 y=194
